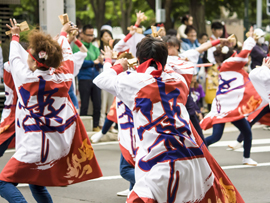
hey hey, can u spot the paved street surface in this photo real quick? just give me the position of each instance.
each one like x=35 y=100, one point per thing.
x=253 y=183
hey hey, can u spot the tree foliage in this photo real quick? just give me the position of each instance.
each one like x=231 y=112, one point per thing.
x=28 y=10
x=123 y=12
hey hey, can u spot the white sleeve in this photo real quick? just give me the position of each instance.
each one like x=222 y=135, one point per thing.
x=78 y=61
x=67 y=52
x=121 y=46
x=210 y=55
x=124 y=86
x=18 y=62
x=260 y=78
x=192 y=55
x=107 y=66
x=133 y=41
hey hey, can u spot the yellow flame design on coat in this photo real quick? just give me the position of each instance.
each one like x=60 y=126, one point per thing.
x=228 y=192
x=75 y=168
x=251 y=105
x=4 y=128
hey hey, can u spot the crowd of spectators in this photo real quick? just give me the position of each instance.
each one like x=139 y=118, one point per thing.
x=204 y=83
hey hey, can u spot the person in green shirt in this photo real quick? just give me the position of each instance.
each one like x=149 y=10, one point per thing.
x=89 y=70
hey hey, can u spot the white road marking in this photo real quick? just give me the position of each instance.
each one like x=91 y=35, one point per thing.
x=244 y=166
x=226 y=143
x=119 y=177
x=255 y=149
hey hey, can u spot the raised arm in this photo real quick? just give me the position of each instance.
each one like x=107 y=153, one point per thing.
x=122 y=45
x=239 y=61
x=116 y=81
x=205 y=46
x=260 y=78
x=78 y=56
x=67 y=65
x=64 y=43
x=17 y=55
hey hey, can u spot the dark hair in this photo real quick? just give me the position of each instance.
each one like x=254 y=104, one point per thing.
x=85 y=27
x=216 y=26
x=115 y=42
x=39 y=41
x=185 y=18
x=203 y=34
x=101 y=46
x=220 y=57
x=172 y=32
x=172 y=41
x=154 y=48
x=189 y=29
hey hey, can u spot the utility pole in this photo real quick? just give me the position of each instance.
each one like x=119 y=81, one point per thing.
x=246 y=20
x=160 y=13
x=70 y=7
x=259 y=14
x=49 y=10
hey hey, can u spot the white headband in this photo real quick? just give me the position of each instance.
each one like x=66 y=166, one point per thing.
x=106 y=27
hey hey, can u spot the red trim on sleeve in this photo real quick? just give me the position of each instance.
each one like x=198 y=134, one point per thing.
x=63 y=34
x=215 y=42
x=15 y=38
x=108 y=60
x=78 y=43
x=136 y=25
x=127 y=37
x=118 y=68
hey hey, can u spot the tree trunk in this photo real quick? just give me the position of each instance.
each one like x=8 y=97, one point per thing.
x=168 y=7
x=197 y=10
x=99 y=10
x=126 y=7
x=152 y=4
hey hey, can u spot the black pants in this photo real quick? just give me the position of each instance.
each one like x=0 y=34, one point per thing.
x=242 y=125
x=196 y=123
x=89 y=90
x=256 y=119
x=191 y=108
x=4 y=145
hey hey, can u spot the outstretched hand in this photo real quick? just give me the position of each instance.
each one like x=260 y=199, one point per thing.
x=266 y=62
x=139 y=15
x=251 y=32
x=107 y=52
x=71 y=38
x=14 y=28
x=68 y=28
x=133 y=30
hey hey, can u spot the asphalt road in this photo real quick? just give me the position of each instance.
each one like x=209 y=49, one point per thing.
x=253 y=183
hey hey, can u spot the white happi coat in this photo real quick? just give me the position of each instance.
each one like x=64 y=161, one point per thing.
x=236 y=96
x=128 y=44
x=169 y=163
x=52 y=146
x=260 y=78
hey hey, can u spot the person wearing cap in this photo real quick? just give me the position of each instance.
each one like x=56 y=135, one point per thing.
x=260 y=50
x=105 y=36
